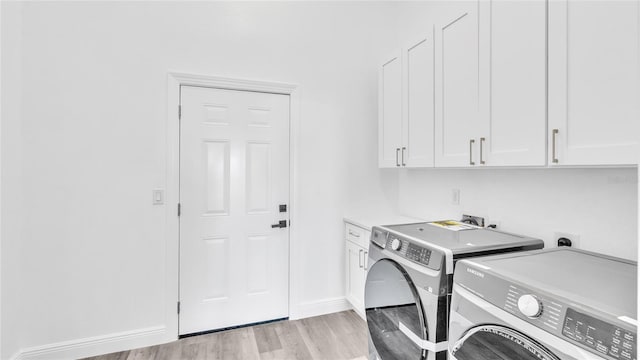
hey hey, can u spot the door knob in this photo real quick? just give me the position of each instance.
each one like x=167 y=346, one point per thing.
x=280 y=224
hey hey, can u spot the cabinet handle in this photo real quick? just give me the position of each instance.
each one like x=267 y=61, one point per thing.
x=403 y=149
x=353 y=234
x=360 y=258
x=554 y=137
x=366 y=256
x=482 y=162
x=397 y=154
x=471 y=142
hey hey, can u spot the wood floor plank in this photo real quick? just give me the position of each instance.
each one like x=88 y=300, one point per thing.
x=267 y=338
x=319 y=338
x=239 y=344
x=143 y=353
x=293 y=345
x=338 y=336
x=169 y=351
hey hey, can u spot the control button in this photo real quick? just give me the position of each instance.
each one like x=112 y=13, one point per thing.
x=396 y=244
x=628 y=336
x=603 y=349
x=627 y=345
x=529 y=306
x=592 y=344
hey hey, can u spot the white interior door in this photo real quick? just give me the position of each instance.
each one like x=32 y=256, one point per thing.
x=234 y=174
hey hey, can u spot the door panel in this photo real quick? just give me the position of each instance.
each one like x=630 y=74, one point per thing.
x=356 y=276
x=417 y=130
x=457 y=88
x=391 y=304
x=390 y=112
x=594 y=82
x=234 y=172
x=515 y=132
x=492 y=342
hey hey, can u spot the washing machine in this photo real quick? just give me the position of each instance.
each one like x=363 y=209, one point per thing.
x=556 y=304
x=408 y=284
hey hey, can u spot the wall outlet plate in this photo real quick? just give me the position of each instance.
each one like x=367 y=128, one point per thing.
x=455 y=196
x=477 y=219
x=575 y=238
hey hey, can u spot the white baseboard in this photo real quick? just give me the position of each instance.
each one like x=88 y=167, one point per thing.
x=320 y=307
x=97 y=345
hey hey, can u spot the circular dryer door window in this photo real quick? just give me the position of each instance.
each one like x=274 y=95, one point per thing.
x=499 y=343
x=394 y=312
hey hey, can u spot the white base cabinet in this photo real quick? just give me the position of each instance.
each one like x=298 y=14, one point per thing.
x=357 y=253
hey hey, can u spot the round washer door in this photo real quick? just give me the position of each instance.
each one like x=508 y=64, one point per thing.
x=493 y=342
x=394 y=312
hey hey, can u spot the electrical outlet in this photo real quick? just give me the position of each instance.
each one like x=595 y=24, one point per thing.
x=575 y=238
x=455 y=196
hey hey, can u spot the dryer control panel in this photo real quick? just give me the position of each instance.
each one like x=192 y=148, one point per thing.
x=599 y=335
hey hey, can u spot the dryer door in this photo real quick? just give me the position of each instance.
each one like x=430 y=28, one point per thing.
x=394 y=312
x=493 y=342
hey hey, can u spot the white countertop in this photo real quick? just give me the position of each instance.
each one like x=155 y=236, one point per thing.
x=369 y=221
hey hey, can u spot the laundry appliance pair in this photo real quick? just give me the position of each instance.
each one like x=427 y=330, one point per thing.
x=410 y=283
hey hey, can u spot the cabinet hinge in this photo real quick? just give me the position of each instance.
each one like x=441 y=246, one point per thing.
x=179 y=208
x=179 y=112
x=178 y=307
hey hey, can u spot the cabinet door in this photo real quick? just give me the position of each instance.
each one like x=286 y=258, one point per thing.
x=457 y=86
x=356 y=262
x=593 y=82
x=417 y=127
x=513 y=72
x=390 y=112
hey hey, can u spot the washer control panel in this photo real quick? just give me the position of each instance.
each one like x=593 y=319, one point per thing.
x=418 y=254
x=409 y=250
x=599 y=335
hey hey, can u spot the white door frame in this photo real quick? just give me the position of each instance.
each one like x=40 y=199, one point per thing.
x=172 y=239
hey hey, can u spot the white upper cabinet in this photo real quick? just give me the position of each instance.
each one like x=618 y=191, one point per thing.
x=406 y=107
x=417 y=124
x=594 y=94
x=491 y=84
x=390 y=112
x=457 y=92
x=513 y=78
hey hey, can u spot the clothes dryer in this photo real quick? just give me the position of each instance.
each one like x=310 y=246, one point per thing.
x=557 y=304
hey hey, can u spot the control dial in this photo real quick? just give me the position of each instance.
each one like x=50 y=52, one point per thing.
x=396 y=244
x=529 y=306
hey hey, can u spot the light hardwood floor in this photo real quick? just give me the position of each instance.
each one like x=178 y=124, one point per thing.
x=335 y=336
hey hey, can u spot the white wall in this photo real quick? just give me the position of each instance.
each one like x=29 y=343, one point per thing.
x=11 y=184
x=599 y=205
x=89 y=146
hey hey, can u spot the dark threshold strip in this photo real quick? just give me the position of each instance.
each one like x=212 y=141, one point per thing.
x=230 y=328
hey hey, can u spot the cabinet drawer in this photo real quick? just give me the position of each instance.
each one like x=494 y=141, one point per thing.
x=357 y=235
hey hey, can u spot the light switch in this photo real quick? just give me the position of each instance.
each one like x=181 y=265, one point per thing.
x=158 y=197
